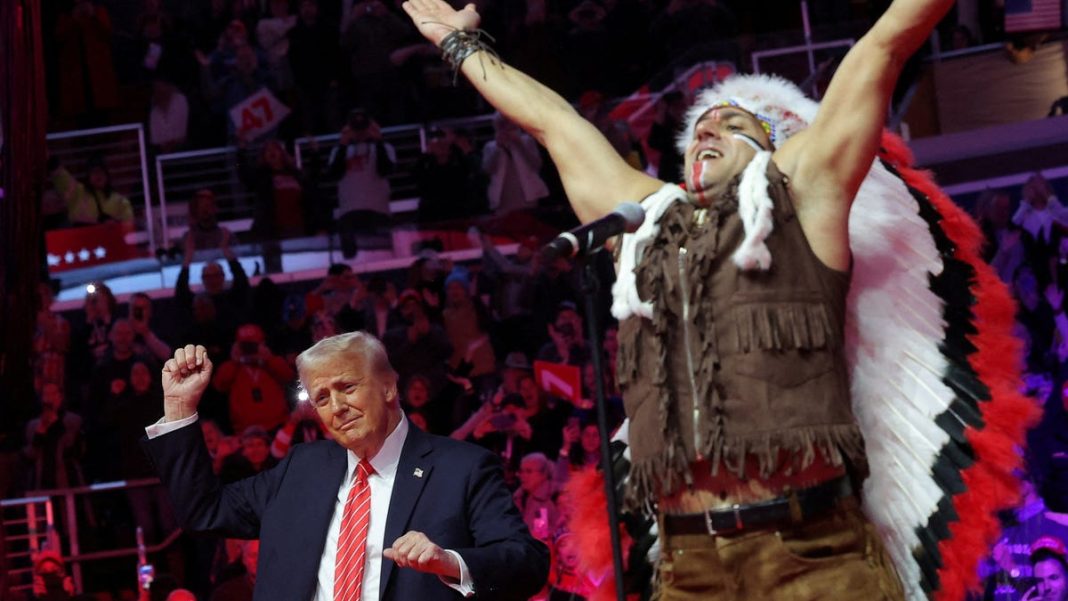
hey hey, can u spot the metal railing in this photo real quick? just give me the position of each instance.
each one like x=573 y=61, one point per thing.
x=71 y=498
x=122 y=147
x=28 y=523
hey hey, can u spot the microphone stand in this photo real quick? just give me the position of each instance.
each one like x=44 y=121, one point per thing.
x=590 y=288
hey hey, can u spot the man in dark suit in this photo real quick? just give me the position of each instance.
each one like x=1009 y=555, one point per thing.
x=442 y=524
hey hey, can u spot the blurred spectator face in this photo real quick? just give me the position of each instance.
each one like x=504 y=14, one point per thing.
x=411 y=308
x=140 y=378
x=567 y=552
x=417 y=394
x=1001 y=210
x=309 y=11
x=122 y=337
x=98 y=304
x=569 y=324
x=456 y=293
x=274 y=156
x=213 y=278
x=532 y=473
x=255 y=448
x=52 y=397
x=438 y=144
x=246 y=61
x=1051 y=584
x=590 y=440
x=140 y=308
x=323 y=326
x=98 y=178
x=203 y=308
x=528 y=389
x=202 y=208
x=235 y=35
x=1035 y=192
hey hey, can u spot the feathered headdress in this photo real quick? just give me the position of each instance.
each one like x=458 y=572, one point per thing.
x=933 y=363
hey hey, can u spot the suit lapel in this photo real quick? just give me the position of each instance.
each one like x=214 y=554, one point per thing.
x=413 y=471
x=318 y=500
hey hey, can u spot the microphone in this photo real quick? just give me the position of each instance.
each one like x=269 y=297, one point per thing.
x=627 y=217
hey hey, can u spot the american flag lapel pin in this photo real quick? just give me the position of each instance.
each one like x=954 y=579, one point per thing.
x=418 y=473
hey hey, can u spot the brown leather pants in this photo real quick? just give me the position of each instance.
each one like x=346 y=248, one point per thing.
x=837 y=556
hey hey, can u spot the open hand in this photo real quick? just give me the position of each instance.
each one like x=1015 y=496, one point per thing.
x=435 y=19
x=414 y=550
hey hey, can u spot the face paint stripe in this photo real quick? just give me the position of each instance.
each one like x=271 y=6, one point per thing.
x=750 y=141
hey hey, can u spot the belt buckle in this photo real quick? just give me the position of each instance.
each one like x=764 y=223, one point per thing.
x=738 y=525
x=708 y=523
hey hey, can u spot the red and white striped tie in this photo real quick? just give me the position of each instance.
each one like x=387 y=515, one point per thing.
x=352 y=542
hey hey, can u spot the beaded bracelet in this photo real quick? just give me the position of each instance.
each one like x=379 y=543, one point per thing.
x=460 y=44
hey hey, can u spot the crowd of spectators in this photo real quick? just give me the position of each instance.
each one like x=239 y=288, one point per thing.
x=1027 y=244
x=463 y=338
x=181 y=66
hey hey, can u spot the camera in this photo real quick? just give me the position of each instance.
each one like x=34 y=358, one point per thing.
x=248 y=348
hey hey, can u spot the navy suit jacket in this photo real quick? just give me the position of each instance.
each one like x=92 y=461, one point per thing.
x=460 y=502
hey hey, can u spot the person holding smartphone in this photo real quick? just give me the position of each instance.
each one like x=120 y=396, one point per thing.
x=255 y=379
x=1050 y=570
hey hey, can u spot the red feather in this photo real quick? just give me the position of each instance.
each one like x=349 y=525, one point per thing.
x=1008 y=414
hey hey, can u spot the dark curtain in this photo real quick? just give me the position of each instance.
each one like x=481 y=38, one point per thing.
x=23 y=111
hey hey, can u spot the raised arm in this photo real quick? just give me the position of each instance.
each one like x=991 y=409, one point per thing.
x=833 y=156
x=595 y=177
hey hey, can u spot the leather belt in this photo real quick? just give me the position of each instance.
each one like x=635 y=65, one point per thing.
x=795 y=506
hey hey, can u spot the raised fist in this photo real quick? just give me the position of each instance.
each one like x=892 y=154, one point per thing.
x=185 y=377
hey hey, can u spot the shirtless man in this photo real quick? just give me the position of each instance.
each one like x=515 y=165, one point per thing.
x=732 y=311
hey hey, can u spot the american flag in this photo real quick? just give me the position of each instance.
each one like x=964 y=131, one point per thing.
x=1032 y=15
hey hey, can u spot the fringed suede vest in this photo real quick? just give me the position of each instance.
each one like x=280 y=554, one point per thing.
x=733 y=364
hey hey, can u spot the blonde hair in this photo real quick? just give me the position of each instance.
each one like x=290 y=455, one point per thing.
x=351 y=344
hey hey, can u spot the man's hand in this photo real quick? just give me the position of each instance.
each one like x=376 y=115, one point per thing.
x=185 y=377
x=414 y=550
x=435 y=19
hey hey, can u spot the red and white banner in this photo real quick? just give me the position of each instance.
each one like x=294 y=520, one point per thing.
x=1032 y=15
x=77 y=247
x=258 y=114
x=558 y=379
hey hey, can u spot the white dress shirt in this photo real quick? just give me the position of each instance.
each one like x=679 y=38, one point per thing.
x=381 y=482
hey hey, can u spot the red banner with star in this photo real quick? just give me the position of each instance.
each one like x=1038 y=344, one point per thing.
x=78 y=247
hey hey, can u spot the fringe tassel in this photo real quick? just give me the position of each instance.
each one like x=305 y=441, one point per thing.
x=784 y=326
